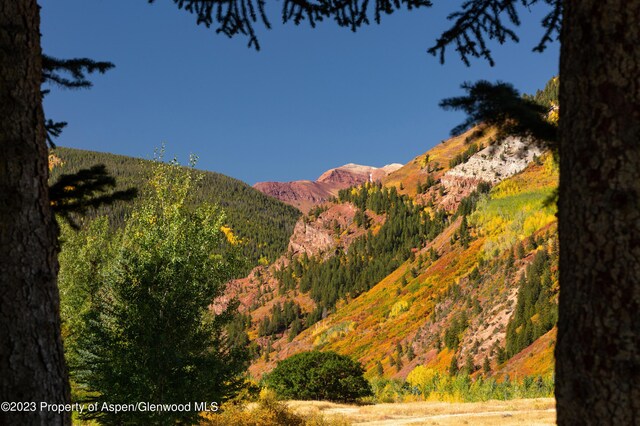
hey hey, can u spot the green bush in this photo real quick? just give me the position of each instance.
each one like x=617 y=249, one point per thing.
x=319 y=376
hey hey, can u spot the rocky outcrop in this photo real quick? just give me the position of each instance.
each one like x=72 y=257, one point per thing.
x=457 y=187
x=498 y=161
x=306 y=194
x=493 y=164
x=310 y=238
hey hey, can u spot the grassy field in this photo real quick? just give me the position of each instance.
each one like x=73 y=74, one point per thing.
x=530 y=412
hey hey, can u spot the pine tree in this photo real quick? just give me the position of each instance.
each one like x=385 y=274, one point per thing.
x=410 y=354
x=463 y=233
x=486 y=366
x=267 y=351
x=296 y=327
x=433 y=254
x=399 y=363
x=510 y=260
x=469 y=366
x=453 y=366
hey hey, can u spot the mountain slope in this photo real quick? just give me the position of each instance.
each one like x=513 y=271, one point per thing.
x=263 y=224
x=453 y=295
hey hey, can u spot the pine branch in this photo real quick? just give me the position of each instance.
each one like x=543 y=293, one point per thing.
x=71 y=73
x=500 y=105
x=73 y=194
x=232 y=16
x=552 y=23
x=346 y=13
x=480 y=21
x=68 y=74
x=240 y=16
x=53 y=130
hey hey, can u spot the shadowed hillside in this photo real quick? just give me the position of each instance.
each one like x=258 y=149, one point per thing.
x=262 y=223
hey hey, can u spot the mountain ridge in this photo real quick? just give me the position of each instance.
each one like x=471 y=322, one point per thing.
x=306 y=194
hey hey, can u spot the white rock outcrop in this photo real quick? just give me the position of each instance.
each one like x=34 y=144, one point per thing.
x=492 y=164
x=498 y=161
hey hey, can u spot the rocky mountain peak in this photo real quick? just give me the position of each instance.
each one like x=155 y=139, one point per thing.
x=306 y=194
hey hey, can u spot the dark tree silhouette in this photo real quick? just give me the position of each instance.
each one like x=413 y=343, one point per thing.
x=73 y=194
x=31 y=360
x=500 y=105
x=480 y=21
x=67 y=74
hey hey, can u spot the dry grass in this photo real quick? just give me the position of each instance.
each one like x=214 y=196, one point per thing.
x=493 y=413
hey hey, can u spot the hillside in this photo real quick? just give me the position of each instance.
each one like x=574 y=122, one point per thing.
x=449 y=260
x=305 y=194
x=262 y=223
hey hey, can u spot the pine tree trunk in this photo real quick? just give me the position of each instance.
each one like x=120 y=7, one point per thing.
x=32 y=364
x=598 y=349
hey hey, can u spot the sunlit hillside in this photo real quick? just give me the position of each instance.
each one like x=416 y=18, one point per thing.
x=451 y=302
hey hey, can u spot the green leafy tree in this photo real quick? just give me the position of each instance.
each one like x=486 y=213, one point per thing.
x=319 y=375
x=145 y=332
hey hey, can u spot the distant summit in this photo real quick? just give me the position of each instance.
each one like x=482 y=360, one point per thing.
x=305 y=194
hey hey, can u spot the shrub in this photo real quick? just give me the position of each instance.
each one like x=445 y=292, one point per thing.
x=423 y=379
x=320 y=376
x=269 y=412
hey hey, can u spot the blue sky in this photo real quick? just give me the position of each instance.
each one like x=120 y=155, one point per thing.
x=310 y=100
